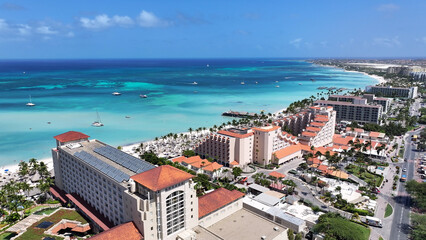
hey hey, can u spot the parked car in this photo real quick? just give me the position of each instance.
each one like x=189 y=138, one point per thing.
x=404 y=169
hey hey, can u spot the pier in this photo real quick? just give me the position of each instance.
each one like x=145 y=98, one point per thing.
x=238 y=114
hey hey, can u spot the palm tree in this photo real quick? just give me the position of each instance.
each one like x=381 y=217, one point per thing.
x=23 y=168
x=190 y=131
x=33 y=165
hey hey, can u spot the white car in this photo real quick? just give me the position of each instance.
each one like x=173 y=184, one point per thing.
x=404 y=169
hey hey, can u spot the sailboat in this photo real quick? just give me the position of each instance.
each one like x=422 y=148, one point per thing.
x=30 y=104
x=98 y=122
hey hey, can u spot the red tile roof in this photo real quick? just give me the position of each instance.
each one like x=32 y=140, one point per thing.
x=322 y=167
x=276 y=174
x=70 y=136
x=213 y=166
x=58 y=193
x=313 y=129
x=310 y=134
x=234 y=163
x=359 y=130
x=340 y=140
x=179 y=159
x=161 y=177
x=94 y=215
x=127 y=231
x=284 y=152
x=267 y=129
x=374 y=134
x=236 y=135
x=217 y=199
x=321 y=119
x=317 y=124
x=313 y=161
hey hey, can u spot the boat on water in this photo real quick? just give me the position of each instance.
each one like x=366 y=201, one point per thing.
x=194 y=83
x=30 y=104
x=277 y=86
x=116 y=93
x=313 y=80
x=127 y=116
x=256 y=82
x=300 y=84
x=98 y=122
x=242 y=83
x=208 y=65
x=143 y=96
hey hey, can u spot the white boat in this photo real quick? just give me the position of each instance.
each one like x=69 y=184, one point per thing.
x=242 y=83
x=300 y=84
x=30 y=104
x=116 y=93
x=98 y=122
x=143 y=96
x=256 y=82
x=277 y=86
x=194 y=83
x=208 y=65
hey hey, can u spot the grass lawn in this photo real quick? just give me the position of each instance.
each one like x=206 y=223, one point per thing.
x=380 y=238
x=34 y=233
x=344 y=229
x=46 y=211
x=368 y=177
x=6 y=236
x=35 y=209
x=388 y=210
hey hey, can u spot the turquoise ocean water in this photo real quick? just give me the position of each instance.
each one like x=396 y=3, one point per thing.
x=67 y=93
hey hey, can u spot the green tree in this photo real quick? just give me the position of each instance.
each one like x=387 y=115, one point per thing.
x=290 y=234
x=418 y=191
x=188 y=153
x=418 y=225
x=298 y=236
x=23 y=168
x=236 y=171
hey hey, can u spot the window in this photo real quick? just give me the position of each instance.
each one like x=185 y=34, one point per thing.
x=175 y=210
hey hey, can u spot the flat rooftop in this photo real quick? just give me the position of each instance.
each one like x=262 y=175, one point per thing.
x=246 y=225
x=89 y=147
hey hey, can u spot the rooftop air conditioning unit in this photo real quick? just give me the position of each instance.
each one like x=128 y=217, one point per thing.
x=263 y=237
x=276 y=228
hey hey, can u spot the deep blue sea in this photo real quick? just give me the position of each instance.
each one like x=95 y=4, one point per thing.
x=67 y=93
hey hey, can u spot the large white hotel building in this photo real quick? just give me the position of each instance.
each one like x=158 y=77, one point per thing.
x=125 y=197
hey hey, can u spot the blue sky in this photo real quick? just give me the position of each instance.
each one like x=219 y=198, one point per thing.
x=204 y=29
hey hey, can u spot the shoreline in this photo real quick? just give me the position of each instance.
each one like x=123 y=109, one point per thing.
x=128 y=147
x=380 y=79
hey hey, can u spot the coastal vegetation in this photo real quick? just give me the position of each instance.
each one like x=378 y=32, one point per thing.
x=334 y=226
x=418 y=192
x=14 y=201
x=418 y=226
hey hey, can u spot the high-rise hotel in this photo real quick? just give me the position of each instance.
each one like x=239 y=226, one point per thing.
x=111 y=187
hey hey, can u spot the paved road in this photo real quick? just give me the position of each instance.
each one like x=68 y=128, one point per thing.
x=401 y=220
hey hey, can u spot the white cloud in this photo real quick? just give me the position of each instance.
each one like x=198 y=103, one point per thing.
x=390 y=7
x=24 y=29
x=122 y=20
x=148 y=19
x=387 y=42
x=100 y=21
x=46 y=30
x=3 y=24
x=296 y=42
x=104 y=21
